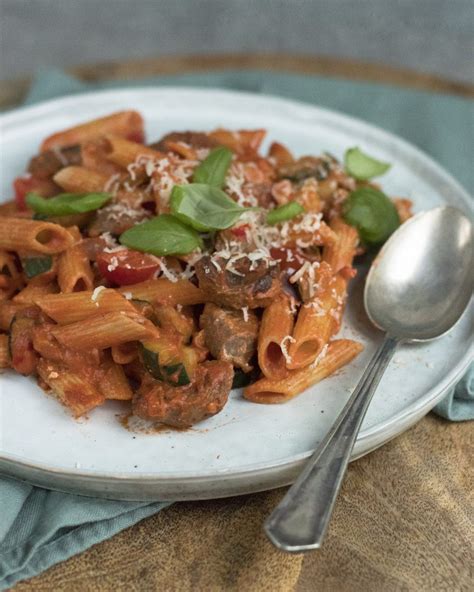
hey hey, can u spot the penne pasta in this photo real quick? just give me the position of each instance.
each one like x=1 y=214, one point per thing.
x=4 y=352
x=73 y=389
x=78 y=179
x=124 y=353
x=164 y=291
x=127 y=124
x=74 y=307
x=7 y=311
x=275 y=328
x=43 y=237
x=341 y=252
x=205 y=264
x=74 y=270
x=94 y=155
x=103 y=331
x=317 y=321
x=265 y=390
x=36 y=288
x=113 y=382
x=123 y=152
x=10 y=277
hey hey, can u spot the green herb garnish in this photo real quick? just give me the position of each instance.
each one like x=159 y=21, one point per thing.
x=36 y=265
x=66 y=203
x=285 y=212
x=363 y=167
x=204 y=207
x=163 y=235
x=213 y=169
x=372 y=213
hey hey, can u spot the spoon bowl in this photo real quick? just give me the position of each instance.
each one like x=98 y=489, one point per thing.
x=422 y=279
x=417 y=288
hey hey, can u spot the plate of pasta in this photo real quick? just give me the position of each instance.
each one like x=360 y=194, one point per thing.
x=180 y=289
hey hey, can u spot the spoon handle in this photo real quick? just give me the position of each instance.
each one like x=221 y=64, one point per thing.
x=300 y=521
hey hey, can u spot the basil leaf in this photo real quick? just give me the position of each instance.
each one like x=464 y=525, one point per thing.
x=204 y=207
x=163 y=235
x=213 y=169
x=35 y=265
x=285 y=212
x=67 y=203
x=372 y=213
x=363 y=167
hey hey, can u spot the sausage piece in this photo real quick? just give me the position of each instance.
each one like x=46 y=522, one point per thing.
x=193 y=139
x=228 y=336
x=247 y=288
x=185 y=405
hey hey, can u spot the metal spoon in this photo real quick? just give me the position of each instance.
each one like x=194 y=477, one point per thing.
x=416 y=290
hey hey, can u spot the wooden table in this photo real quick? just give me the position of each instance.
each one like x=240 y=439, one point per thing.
x=403 y=520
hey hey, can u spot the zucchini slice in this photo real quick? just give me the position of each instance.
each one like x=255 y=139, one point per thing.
x=36 y=265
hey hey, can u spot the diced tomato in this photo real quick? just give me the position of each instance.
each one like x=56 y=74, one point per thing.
x=290 y=259
x=136 y=136
x=127 y=267
x=240 y=232
x=26 y=183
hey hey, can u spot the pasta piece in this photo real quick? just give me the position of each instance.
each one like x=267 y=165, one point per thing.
x=4 y=353
x=280 y=154
x=244 y=142
x=309 y=232
x=307 y=195
x=182 y=149
x=113 y=382
x=94 y=155
x=43 y=237
x=7 y=311
x=72 y=389
x=123 y=152
x=10 y=277
x=341 y=252
x=317 y=321
x=70 y=308
x=170 y=319
x=124 y=353
x=36 y=288
x=275 y=328
x=74 y=270
x=127 y=124
x=103 y=331
x=77 y=179
x=339 y=353
x=164 y=291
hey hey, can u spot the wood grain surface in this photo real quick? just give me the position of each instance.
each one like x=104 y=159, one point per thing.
x=404 y=518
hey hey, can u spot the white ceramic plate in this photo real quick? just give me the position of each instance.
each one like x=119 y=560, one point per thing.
x=247 y=447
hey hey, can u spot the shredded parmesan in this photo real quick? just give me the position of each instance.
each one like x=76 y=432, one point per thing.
x=320 y=356
x=284 y=350
x=127 y=295
x=96 y=292
x=245 y=312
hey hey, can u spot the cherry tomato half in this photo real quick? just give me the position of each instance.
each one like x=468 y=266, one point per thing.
x=126 y=267
x=25 y=184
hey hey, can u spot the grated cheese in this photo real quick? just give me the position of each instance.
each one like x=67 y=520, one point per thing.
x=96 y=292
x=284 y=349
x=245 y=312
x=320 y=356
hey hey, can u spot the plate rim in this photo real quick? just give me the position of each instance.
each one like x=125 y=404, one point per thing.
x=20 y=116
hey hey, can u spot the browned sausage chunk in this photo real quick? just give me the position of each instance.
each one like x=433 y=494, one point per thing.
x=256 y=288
x=228 y=336
x=185 y=405
x=48 y=163
x=194 y=139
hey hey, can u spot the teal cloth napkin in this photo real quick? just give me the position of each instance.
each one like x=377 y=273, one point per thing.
x=39 y=528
